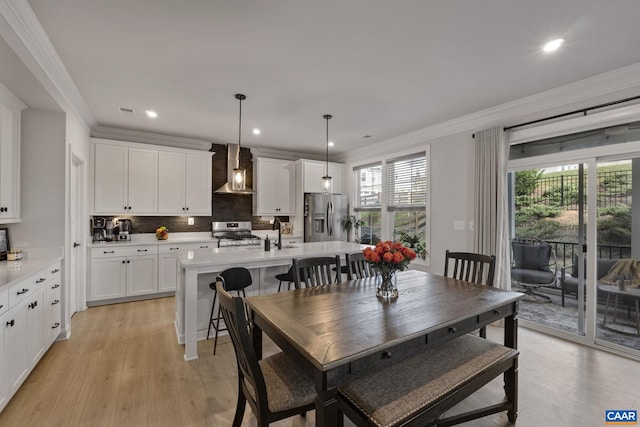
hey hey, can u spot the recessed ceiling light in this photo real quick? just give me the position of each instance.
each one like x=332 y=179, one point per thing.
x=553 y=45
x=151 y=113
x=331 y=144
x=256 y=131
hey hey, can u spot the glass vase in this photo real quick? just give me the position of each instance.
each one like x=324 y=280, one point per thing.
x=387 y=286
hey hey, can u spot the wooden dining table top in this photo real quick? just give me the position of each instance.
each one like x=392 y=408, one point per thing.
x=337 y=324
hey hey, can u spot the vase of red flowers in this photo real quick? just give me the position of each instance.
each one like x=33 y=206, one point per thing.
x=388 y=258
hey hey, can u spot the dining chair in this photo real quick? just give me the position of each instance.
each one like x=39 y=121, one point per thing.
x=358 y=267
x=275 y=387
x=235 y=279
x=316 y=271
x=471 y=267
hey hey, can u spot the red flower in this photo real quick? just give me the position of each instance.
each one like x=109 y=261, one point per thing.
x=389 y=256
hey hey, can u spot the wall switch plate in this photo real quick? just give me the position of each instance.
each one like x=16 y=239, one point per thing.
x=190 y=221
x=458 y=225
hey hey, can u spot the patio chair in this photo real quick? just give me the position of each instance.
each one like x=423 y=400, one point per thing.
x=534 y=266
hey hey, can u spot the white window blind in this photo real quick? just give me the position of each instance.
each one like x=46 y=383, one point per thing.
x=368 y=187
x=407 y=182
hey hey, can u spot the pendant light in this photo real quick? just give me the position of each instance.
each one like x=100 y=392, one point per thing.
x=239 y=182
x=326 y=180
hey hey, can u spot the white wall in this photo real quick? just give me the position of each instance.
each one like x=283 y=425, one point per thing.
x=42 y=183
x=452 y=177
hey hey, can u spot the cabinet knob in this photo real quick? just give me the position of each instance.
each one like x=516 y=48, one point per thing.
x=55 y=271
x=23 y=291
x=187 y=207
x=143 y=250
x=128 y=262
x=129 y=207
x=40 y=280
x=55 y=302
x=452 y=329
x=386 y=355
x=55 y=325
x=123 y=261
x=204 y=247
x=11 y=323
x=108 y=252
x=174 y=249
x=56 y=286
x=1 y=305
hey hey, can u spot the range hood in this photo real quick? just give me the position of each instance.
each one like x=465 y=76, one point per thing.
x=233 y=156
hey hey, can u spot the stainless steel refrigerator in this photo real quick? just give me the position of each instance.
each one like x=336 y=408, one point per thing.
x=323 y=217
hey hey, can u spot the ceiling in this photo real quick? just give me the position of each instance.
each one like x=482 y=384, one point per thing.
x=381 y=68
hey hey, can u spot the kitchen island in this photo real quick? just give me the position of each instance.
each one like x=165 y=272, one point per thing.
x=220 y=259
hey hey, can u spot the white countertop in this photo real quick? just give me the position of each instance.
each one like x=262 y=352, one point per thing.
x=252 y=256
x=150 y=239
x=10 y=271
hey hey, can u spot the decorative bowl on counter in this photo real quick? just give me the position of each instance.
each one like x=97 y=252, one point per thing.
x=162 y=233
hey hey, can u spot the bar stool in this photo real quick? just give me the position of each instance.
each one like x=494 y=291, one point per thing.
x=233 y=279
x=286 y=277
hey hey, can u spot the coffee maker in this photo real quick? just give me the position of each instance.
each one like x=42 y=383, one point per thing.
x=97 y=229
x=123 y=230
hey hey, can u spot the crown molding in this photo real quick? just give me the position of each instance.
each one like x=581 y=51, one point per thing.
x=609 y=84
x=22 y=30
x=10 y=99
x=150 y=138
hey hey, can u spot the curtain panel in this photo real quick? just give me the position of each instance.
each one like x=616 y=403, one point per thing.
x=491 y=235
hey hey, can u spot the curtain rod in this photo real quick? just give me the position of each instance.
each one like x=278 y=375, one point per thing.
x=557 y=116
x=582 y=110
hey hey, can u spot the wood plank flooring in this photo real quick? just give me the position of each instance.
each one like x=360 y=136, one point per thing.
x=123 y=367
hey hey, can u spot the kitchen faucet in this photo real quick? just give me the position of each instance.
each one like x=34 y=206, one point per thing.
x=276 y=222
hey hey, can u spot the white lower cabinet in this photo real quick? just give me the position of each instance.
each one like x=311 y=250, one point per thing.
x=25 y=327
x=119 y=272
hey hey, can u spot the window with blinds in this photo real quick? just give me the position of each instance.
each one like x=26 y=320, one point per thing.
x=407 y=183
x=368 y=187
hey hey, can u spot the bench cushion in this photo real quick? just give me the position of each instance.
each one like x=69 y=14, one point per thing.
x=394 y=394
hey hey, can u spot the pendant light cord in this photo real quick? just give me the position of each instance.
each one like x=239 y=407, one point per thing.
x=327 y=117
x=239 y=97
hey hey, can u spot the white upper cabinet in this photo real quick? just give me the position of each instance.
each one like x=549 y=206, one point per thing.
x=10 y=108
x=274 y=187
x=126 y=179
x=198 y=184
x=184 y=183
x=313 y=171
x=149 y=180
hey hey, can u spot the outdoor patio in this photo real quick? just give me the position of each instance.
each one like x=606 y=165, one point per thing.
x=553 y=315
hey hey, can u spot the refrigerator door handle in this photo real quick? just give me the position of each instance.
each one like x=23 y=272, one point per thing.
x=330 y=214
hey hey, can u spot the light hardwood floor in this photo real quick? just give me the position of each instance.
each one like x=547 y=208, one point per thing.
x=123 y=367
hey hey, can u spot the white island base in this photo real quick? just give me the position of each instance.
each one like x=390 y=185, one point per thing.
x=193 y=295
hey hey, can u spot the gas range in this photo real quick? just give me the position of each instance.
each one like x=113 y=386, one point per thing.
x=234 y=234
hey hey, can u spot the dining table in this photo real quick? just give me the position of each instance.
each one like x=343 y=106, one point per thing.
x=341 y=332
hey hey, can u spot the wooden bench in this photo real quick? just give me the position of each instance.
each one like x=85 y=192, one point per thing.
x=418 y=390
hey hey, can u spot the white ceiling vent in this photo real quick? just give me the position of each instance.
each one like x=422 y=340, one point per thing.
x=126 y=111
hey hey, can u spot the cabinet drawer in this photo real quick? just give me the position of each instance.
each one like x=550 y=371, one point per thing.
x=453 y=331
x=4 y=300
x=24 y=288
x=171 y=249
x=124 y=251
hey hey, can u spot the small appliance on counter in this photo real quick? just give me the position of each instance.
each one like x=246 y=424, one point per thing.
x=122 y=230
x=98 y=229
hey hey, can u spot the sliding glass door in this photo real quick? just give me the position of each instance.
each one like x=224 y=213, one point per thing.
x=618 y=253
x=549 y=237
